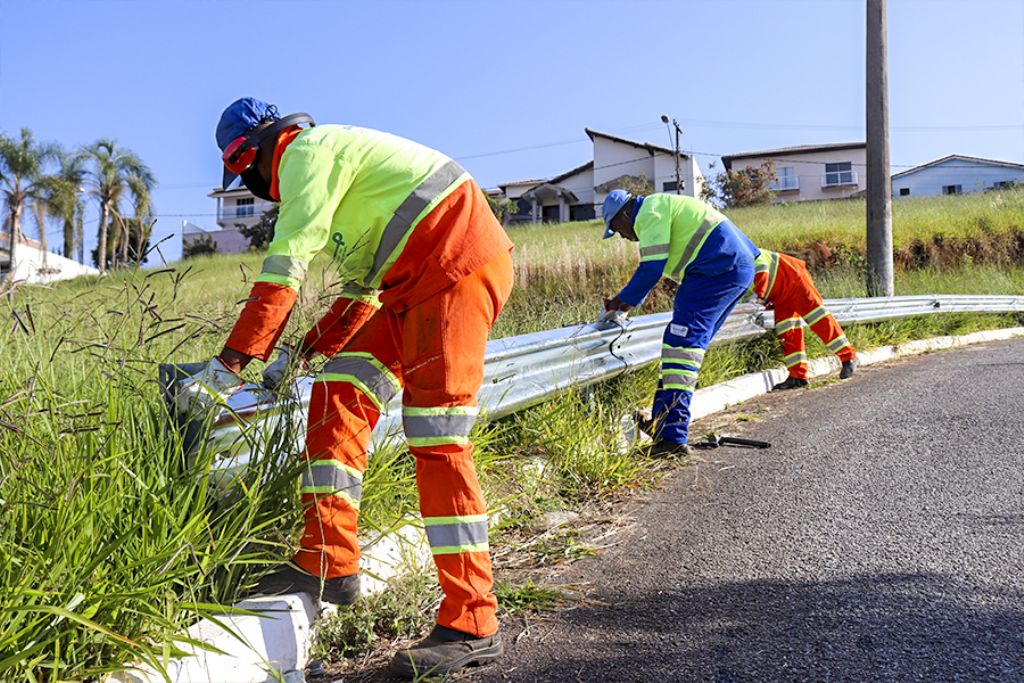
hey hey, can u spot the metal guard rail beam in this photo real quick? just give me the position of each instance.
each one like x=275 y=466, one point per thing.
x=525 y=370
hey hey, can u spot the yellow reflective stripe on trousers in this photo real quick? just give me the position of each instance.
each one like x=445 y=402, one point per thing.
x=816 y=315
x=794 y=358
x=428 y=193
x=788 y=324
x=692 y=354
x=332 y=478
x=456 y=534
x=438 y=426
x=693 y=247
x=367 y=373
x=677 y=378
x=838 y=343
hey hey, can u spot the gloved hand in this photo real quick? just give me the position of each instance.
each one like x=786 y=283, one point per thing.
x=614 y=317
x=213 y=386
x=275 y=372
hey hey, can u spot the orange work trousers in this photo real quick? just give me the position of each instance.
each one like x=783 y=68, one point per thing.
x=798 y=301
x=435 y=350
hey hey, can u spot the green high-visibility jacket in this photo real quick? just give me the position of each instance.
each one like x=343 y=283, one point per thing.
x=674 y=227
x=356 y=193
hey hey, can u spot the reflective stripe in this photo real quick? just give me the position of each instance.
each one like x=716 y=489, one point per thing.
x=788 y=324
x=838 y=343
x=452 y=538
x=654 y=250
x=330 y=477
x=458 y=534
x=437 y=426
x=794 y=358
x=816 y=315
x=678 y=379
x=364 y=294
x=773 y=270
x=368 y=375
x=285 y=266
x=693 y=355
x=693 y=246
x=409 y=210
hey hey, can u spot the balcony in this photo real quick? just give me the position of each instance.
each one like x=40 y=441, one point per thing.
x=839 y=179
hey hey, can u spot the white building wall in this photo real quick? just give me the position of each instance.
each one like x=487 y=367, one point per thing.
x=809 y=169
x=613 y=159
x=972 y=176
x=35 y=266
x=231 y=214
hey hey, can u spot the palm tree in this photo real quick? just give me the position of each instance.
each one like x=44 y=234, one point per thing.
x=21 y=181
x=63 y=199
x=112 y=173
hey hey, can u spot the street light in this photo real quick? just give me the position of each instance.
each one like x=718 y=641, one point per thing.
x=679 y=131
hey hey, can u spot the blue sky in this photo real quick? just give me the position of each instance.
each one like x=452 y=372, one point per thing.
x=478 y=80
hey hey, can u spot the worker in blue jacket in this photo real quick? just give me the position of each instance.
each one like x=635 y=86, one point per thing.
x=688 y=241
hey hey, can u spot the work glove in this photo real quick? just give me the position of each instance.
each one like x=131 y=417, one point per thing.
x=275 y=373
x=612 y=317
x=211 y=387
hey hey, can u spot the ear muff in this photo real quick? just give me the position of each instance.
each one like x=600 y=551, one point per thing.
x=240 y=154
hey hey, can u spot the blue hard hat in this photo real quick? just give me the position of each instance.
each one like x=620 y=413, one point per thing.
x=239 y=118
x=613 y=203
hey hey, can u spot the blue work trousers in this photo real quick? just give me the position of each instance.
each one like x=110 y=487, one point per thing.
x=702 y=304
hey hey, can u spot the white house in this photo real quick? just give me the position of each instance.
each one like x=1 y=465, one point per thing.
x=808 y=172
x=956 y=174
x=236 y=208
x=35 y=265
x=578 y=193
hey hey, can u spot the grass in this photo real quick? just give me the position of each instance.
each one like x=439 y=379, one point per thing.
x=111 y=542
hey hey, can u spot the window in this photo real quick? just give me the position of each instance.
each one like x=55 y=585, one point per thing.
x=904 y=191
x=785 y=179
x=551 y=214
x=952 y=189
x=582 y=212
x=669 y=186
x=245 y=207
x=839 y=173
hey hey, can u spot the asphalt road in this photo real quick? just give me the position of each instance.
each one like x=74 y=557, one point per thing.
x=880 y=539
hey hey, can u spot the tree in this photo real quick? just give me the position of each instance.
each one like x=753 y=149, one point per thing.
x=112 y=173
x=746 y=187
x=636 y=184
x=199 y=246
x=261 y=232
x=502 y=207
x=62 y=200
x=21 y=181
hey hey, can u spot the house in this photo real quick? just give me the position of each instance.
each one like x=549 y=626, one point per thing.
x=956 y=174
x=577 y=194
x=236 y=208
x=810 y=172
x=35 y=265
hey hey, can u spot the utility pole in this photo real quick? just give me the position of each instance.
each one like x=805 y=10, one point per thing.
x=879 y=184
x=675 y=124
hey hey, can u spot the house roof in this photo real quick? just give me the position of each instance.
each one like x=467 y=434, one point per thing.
x=531 y=182
x=579 y=169
x=240 y=191
x=22 y=239
x=960 y=157
x=789 y=151
x=651 y=149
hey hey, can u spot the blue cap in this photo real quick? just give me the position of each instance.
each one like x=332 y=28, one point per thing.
x=239 y=118
x=613 y=203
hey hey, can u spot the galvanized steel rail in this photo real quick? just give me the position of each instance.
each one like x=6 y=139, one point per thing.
x=528 y=369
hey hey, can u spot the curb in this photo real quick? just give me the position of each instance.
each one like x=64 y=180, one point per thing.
x=274 y=645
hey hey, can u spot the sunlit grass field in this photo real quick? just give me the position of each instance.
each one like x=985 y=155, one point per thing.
x=111 y=540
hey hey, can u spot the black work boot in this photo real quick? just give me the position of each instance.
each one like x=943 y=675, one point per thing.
x=668 y=449
x=291 y=578
x=445 y=650
x=645 y=424
x=849 y=367
x=790 y=383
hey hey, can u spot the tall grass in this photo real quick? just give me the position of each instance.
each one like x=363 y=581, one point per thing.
x=111 y=541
